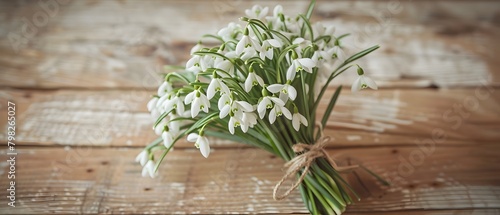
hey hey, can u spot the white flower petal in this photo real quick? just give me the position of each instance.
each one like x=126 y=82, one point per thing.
x=286 y=112
x=303 y=120
x=370 y=83
x=356 y=86
x=272 y=115
x=296 y=121
x=249 y=82
x=224 y=111
x=292 y=92
x=274 y=88
x=274 y=42
x=193 y=137
x=204 y=146
x=211 y=88
x=152 y=103
x=195 y=107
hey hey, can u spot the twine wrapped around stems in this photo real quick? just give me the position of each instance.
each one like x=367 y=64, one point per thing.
x=304 y=160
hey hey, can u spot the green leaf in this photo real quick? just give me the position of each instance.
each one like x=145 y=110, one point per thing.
x=361 y=54
x=310 y=9
x=213 y=36
x=308 y=25
x=329 y=109
x=384 y=182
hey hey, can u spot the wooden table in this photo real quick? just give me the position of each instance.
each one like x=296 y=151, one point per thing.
x=81 y=77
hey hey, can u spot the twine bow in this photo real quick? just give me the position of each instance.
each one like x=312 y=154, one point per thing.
x=304 y=160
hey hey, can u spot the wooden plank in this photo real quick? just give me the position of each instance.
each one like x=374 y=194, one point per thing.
x=106 y=180
x=369 y=118
x=119 y=44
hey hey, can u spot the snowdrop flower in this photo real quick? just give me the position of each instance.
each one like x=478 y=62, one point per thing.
x=248 y=53
x=198 y=101
x=230 y=32
x=199 y=63
x=257 y=12
x=267 y=103
x=160 y=127
x=363 y=82
x=168 y=138
x=196 y=48
x=285 y=90
x=149 y=169
x=298 y=119
x=225 y=65
x=252 y=80
x=277 y=111
x=142 y=157
x=340 y=53
x=216 y=85
x=275 y=20
x=320 y=56
x=303 y=43
x=176 y=103
x=152 y=107
x=241 y=106
x=247 y=44
x=249 y=119
x=306 y=64
x=267 y=49
x=164 y=88
x=224 y=105
x=200 y=142
x=234 y=122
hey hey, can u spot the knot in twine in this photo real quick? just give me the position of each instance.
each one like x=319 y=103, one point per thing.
x=308 y=153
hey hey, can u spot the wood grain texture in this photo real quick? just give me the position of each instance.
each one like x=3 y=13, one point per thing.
x=124 y=44
x=368 y=118
x=103 y=180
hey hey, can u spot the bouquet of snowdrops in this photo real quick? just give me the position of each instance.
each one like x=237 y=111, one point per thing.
x=261 y=85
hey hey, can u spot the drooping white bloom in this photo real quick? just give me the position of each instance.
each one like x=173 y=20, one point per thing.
x=160 y=127
x=224 y=105
x=241 y=106
x=176 y=103
x=225 y=65
x=199 y=63
x=275 y=20
x=305 y=64
x=230 y=32
x=303 y=43
x=152 y=107
x=268 y=102
x=234 y=122
x=196 y=48
x=267 y=49
x=257 y=12
x=216 y=85
x=200 y=142
x=277 y=111
x=363 y=82
x=285 y=90
x=149 y=169
x=248 y=52
x=340 y=53
x=249 y=119
x=142 y=157
x=198 y=101
x=247 y=44
x=298 y=119
x=252 y=80
x=164 y=88
x=168 y=138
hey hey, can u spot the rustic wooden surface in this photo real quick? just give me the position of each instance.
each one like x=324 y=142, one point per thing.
x=82 y=81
